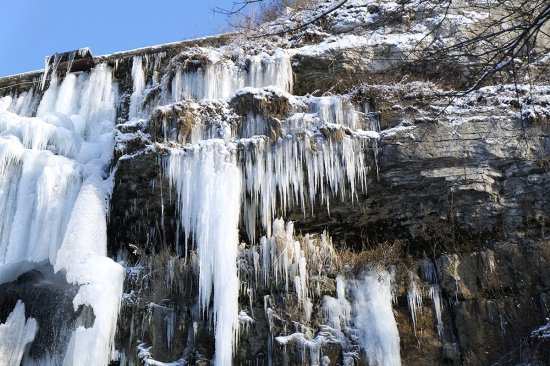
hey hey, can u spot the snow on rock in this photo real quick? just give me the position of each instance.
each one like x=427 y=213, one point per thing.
x=16 y=333
x=144 y=354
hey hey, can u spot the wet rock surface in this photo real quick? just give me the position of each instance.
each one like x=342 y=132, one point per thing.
x=49 y=300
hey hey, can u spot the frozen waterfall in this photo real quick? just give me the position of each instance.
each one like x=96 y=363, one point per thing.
x=54 y=188
x=248 y=178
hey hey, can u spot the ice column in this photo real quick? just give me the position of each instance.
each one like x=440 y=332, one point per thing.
x=138 y=79
x=373 y=317
x=208 y=185
x=53 y=195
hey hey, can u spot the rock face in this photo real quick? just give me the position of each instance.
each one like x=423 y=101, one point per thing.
x=451 y=223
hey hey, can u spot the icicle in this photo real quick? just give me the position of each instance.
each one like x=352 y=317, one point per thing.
x=435 y=294
x=337 y=110
x=373 y=316
x=70 y=62
x=15 y=334
x=170 y=320
x=22 y=104
x=295 y=172
x=429 y=273
x=138 y=78
x=337 y=311
x=208 y=183
x=50 y=67
x=414 y=299
x=220 y=78
x=45 y=72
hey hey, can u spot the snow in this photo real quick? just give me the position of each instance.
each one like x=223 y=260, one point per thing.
x=15 y=335
x=402 y=41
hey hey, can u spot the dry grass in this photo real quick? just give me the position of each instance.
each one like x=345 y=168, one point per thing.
x=379 y=257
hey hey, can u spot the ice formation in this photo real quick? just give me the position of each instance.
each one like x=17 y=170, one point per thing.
x=221 y=177
x=337 y=110
x=53 y=192
x=219 y=77
x=365 y=311
x=414 y=298
x=435 y=294
x=373 y=317
x=15 y=334
x=429 y=272
x=138 y=80
x=337 y=310
x=299 y=172
x=208 y=182
x=287 y=261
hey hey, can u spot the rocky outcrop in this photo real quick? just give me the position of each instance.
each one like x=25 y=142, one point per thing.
x=455 y=208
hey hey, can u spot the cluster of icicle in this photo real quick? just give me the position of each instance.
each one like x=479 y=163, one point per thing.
x=284 y=260
x=54 y=150
x=220 y=77
x=362 y=308
x=236 y=177
x=208 y=183
x=415 y=294
x=298 y=172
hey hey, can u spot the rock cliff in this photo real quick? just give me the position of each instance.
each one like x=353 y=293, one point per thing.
x=314 y=199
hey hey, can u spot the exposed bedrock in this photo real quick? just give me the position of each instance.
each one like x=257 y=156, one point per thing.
x=465 y=191
x=48 y=299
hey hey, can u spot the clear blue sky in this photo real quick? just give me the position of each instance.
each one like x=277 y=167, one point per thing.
x=33 y=29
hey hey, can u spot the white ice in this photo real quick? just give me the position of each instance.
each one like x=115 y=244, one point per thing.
x=54 y=192
x=220 y=77
x=208 y=184
x=373 y=317
x=15 y=335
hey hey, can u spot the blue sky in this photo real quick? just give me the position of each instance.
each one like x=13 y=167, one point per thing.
x=33 y=29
